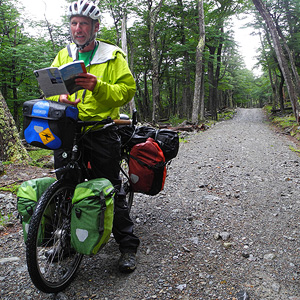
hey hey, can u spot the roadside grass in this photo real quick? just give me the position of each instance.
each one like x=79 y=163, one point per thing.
x=37 y=159
x=37 y=156
x=285 y=122
x=294 y=149
x=5 y=220
x=226 y=115
x=12 y=188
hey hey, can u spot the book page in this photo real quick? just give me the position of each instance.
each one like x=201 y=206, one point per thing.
x=51 y=82
x=69 y=73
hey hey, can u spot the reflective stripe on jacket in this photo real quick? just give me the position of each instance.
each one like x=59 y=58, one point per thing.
x=115 y=83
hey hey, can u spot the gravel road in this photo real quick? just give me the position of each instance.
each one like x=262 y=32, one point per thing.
x=226 y=226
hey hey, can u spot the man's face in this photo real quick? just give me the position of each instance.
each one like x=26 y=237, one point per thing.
x=82 y=29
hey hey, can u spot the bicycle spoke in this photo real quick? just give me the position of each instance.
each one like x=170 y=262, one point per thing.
x=52 y=263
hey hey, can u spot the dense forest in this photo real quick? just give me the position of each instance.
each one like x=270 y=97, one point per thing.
x=182 y=53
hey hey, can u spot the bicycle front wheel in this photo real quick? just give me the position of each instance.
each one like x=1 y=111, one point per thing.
x=51 y=261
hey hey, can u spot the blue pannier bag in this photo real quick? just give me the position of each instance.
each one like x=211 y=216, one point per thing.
x=49 y=124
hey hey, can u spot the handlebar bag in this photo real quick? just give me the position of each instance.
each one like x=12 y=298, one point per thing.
x=147 y=168
x=49 y=124
x=28 y=195
x=92 y=215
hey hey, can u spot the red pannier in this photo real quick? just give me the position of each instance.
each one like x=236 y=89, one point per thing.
x=147 y=168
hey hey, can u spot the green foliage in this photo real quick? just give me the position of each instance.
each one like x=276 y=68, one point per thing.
x=175 y=120
x=226 y=115
x=12 y=188
x=268 y=109
x=38 y=155
x=4 y=220
x=176 y=38
x=294 y=149
x=210 y=122
x=21 y=54
x=108 y=35
x=284 y=121
x=183 y=139
x=283 y=13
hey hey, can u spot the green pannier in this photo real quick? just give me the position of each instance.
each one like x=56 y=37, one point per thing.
x=92 y=215
x=28 y=194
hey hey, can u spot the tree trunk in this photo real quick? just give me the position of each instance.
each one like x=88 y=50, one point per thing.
x=280 y=56
x=153 y=14
x=11 y=147
x=14 y=84
x=50 y=33
x=211 y=79
x=124 y=48
x=214 y=67
x=170 y=94
x=197 y=103
x=290 y=54
x=273 y=86
x=186 y=97
x=217 y=75
x=202 y=93
x=280 y=91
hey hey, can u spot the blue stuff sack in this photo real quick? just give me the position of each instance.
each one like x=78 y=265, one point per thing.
x=49 y=124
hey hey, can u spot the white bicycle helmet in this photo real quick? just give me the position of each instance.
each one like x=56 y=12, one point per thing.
x=85 y=8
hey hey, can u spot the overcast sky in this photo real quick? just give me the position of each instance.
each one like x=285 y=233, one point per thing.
x=37 y=8
x=56 y=8
x=248 y=43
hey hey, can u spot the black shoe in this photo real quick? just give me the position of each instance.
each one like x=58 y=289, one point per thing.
x=127 y=262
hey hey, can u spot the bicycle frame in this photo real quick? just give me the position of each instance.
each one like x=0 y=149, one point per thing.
x=52 y=264
x=75 y=163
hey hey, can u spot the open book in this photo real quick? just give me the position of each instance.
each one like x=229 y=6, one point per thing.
x=56 y=81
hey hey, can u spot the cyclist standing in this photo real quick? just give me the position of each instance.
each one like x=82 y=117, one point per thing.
x=108 y=85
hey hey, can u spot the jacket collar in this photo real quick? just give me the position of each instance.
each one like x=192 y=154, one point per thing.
x=104 y=53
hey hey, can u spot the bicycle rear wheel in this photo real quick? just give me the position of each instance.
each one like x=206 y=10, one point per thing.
x=51 y=261
x=126 y=183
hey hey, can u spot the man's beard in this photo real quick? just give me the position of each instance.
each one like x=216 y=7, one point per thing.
x=81 y=46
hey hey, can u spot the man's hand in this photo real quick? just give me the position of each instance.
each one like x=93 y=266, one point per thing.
x=64 y=99
x=87 y=81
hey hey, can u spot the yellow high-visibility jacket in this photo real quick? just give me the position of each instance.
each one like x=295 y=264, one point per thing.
x=115 y=83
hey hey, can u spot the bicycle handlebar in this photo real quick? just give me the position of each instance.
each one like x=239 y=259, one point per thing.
x=122 y=122
x=107 y=121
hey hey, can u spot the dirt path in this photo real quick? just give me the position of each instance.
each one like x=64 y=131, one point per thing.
x=226 y=225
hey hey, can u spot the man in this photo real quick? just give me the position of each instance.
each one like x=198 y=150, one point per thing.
x=108 y=85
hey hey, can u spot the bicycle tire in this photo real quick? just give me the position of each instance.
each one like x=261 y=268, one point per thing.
x=126 y=183
x=51 y=261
